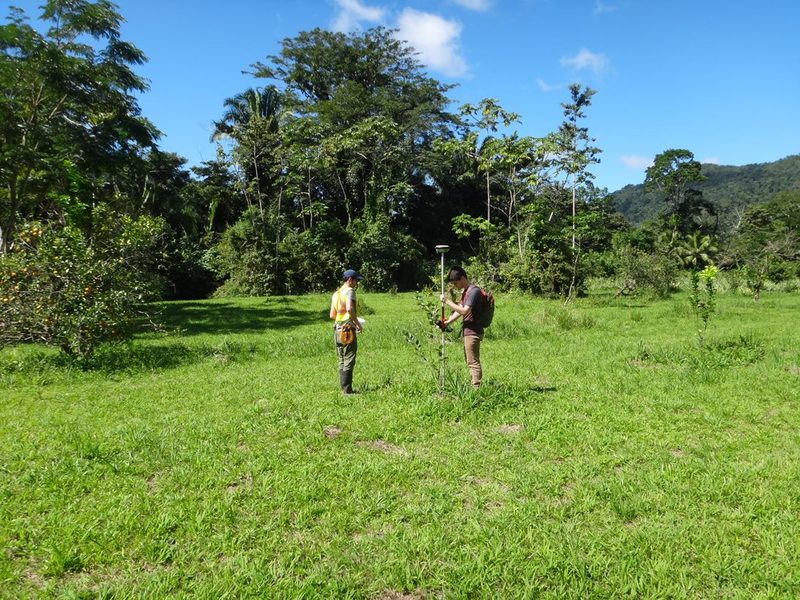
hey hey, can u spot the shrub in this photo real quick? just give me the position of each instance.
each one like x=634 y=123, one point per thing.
x=519 y=273
x=313 y=260
x=245 y=257
x=556 y=270
x=654 y=272
x=384 y=256
x=62 y=288
x=185 y=274
x=549 y=272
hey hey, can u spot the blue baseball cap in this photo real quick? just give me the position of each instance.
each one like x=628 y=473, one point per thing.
x=351 y=273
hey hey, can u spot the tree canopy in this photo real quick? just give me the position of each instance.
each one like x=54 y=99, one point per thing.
x=69 y=119
x=345 y=152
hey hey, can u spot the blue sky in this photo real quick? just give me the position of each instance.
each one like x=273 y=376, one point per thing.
x=720 y=78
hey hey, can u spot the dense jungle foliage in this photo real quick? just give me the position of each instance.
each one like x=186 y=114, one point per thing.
x=348 y=154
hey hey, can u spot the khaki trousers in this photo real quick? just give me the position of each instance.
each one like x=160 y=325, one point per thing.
x=472 y=354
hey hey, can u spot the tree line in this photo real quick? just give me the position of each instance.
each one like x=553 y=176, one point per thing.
x=347 y=154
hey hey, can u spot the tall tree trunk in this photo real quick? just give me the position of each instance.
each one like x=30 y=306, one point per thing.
x=488 y=199
x=572 y=288
x=258 y=182
x=346 y=199
x=145 y=193
x=573 y=211
x=278 y=224
x=310 y=204
x=512 y=197
x=8 y=226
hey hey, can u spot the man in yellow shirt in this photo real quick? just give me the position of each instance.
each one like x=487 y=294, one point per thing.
x=344 y=312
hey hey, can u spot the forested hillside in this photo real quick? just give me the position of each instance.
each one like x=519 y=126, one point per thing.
x=731 y=189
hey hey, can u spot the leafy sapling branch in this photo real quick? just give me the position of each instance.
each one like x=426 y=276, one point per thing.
x=703 y=298
x=426 y=339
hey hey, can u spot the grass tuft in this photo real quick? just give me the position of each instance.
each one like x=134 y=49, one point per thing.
x=567 y=319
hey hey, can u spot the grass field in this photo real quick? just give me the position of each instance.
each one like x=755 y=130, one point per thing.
x=607 y=455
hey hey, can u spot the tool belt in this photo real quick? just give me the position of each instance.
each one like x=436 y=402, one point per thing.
x=346 y=334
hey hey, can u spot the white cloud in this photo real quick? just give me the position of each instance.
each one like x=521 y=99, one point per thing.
x=435 y=38
x=474 y=4
x=352 y=13
x=600 y=8
x=546 y=87
x=585 y=59
x=711 y=160
x=637 y=163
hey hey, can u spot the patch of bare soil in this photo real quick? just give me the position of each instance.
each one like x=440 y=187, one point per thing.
x=381 y=533
x=395 y=595
x=244 y=482
x=511 y=428
x=93 y=581
x=567 y=493
x=331 y=431
x=492 y=494
x=35 y=578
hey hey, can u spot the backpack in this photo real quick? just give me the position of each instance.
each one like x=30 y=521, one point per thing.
x=486 y=314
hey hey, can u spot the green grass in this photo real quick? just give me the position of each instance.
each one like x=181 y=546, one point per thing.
x=606 y=456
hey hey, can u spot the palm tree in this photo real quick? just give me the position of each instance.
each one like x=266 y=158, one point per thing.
x=245 y=108
x=250 y=118
x=695 y=251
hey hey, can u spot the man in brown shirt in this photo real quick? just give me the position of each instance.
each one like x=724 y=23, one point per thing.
x=471 y=298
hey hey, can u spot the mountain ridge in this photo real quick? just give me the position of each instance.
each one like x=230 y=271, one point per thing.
x=731 y=188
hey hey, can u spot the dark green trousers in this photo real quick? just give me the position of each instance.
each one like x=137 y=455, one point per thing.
x=347 y=362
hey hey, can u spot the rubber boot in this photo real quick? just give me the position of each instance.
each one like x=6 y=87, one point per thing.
x=347 y=382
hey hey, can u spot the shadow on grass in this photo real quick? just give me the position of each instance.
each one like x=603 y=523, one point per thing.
x=188 y=318
x=542 y=389
x=382 y=384
x=213 y=317
x=127 y=358
x=500 y=394
x=155 y=357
